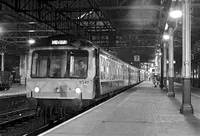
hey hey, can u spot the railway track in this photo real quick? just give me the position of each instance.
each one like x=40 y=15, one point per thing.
x=18 y=122
x=16 y=117
x=43 y=128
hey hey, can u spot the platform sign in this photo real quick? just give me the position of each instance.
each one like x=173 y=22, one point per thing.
x=136 y=57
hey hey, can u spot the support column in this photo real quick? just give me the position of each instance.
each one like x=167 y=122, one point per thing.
x=198 y=79
x=23 y=69
x=161 y=65
x=2 y=61
x=186 y=107
x=171 y=65
x=183 y=47
x=165 y=66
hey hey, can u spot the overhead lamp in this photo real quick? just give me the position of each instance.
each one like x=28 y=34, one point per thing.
x=176 y=13
x=166 y=26
x=1 y=29
x=166 y=36
x=31 y=31
x=31 y=41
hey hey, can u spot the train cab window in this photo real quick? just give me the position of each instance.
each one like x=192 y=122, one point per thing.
x=59 y=64
x=39 y=64
x=78 y=64
x=51 y=64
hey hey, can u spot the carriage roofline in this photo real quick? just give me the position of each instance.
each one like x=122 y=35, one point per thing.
x=112 y=56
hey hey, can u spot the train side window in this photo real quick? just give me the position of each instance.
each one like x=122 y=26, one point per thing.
x=34 y=63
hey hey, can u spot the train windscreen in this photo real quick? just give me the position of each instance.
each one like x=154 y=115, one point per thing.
x=59 y=64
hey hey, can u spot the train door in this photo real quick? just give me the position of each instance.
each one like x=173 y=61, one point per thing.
x=97 y=73
x=129 y=75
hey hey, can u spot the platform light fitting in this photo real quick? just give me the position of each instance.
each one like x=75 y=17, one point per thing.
x=173 y=62
x=166 y=36
x=31 y=31
x=31 y=41
x=166 y=26
x=176 y=13
x=1 y=29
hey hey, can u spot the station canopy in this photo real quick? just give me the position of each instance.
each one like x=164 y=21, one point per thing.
x=126 y=28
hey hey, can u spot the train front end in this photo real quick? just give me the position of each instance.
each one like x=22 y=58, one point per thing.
x=61 y=77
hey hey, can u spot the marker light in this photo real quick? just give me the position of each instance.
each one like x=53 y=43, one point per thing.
x=37 y=89
x=78 y=90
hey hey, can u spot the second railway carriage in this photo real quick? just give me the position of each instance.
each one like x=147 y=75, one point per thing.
x=66 y=73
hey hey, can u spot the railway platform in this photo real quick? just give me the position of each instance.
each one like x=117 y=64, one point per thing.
x=140 y=111
x=13 y=99
x=16 y=89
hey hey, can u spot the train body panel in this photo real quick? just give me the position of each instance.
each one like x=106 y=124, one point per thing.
x=60 y=88
x=110 y=86
x=113 y=73
x=133 y=75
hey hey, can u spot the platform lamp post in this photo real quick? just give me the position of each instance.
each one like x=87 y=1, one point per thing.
x=175 y=14
x=165 y=39
x=2 y=61
x=2 y=54
x=169 y=38
x=161 y=66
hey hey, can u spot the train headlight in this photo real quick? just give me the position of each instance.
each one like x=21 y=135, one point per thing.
x=78 y=90
x=37 y=89
x=57 y=89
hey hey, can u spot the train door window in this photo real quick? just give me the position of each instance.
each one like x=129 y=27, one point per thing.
x=58 y=63
x=78 y=63
x=102 y=67
x=112 y=70
x=102 y=64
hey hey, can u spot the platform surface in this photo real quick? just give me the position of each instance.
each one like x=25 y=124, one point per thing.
x=16 y=89
x=141 y=111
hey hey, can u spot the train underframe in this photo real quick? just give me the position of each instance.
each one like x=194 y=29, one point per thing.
x=59 y=109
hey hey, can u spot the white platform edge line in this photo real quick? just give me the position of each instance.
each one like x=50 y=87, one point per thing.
x=48 y=131
x=12 y=94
